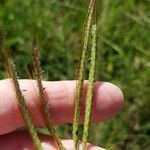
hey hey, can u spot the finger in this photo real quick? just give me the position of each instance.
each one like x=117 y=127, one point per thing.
x=107 y=102
x=21 y=141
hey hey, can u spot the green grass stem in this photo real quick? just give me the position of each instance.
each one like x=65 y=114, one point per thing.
x=77 y=108
x=90 y=89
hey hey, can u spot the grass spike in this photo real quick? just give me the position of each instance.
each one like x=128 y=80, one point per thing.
x=10 y=68
x=76 y=117
x=44 y=107
x=90 y=89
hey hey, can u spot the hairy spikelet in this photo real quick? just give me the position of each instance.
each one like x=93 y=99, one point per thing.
x=10 y=68
x=76 y=117
x=44 y=107
x=90 y=89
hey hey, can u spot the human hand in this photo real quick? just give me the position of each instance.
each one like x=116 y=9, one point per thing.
x=107 y=102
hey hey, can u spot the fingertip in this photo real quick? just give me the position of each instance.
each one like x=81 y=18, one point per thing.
x=108 y=101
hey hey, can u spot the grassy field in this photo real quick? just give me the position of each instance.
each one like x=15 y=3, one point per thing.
x=123 y=55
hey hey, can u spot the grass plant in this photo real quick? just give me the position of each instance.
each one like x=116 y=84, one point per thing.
x=37 y=73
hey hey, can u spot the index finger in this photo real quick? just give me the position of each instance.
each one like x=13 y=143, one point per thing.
x=107 y=102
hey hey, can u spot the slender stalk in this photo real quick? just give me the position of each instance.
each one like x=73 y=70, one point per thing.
x=90 y=89
x=44 y=107
x=76 y=117
x=20 y=98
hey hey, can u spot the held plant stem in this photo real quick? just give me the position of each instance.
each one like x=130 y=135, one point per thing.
x=44 y=107
x=10 y=68
x=90 y=89
x=76 y=117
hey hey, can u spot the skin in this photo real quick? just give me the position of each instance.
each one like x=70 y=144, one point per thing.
x=107 y=102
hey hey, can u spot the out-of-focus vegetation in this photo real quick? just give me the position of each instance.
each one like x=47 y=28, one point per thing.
x=123 y=55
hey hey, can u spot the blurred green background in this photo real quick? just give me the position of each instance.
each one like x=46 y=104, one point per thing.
x=123 y=56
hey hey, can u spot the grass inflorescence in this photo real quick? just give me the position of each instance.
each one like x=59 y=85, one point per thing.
x=10 y=68
x=77 y=107
x=44 y=106
x=90 y=89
